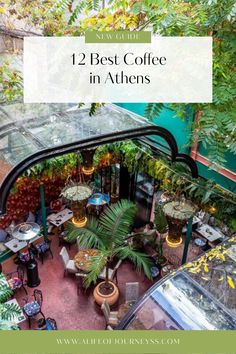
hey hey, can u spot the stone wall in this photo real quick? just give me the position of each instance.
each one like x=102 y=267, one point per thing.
x=9 y=43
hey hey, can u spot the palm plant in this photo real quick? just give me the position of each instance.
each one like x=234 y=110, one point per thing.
x=7 y=311
x=109 y=235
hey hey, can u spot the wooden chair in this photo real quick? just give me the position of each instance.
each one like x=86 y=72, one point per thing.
x=33 y=308
x=112 y=273
x=110 y=316
x=131 y=292
x=80 y=280
x=69 y=264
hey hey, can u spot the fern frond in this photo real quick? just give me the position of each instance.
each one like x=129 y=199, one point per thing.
x=61 y=5
x=89 y=236
x=117 y=219
x=96 y=267
x=93 y=109
x=152 y=110
x=142 y=261
x=76 y=12
x=93 y=5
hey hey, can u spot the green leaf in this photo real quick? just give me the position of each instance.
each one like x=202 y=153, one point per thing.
x=9 y=311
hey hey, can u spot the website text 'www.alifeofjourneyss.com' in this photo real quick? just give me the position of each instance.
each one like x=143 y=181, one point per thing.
x=118 y=341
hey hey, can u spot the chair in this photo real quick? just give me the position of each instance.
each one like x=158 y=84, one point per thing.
x=52 y=322
x=131 y=292
x=109 y=328
x=80 y=280
x=48 y=324
x=42 y=248
x=17 y=282
x=62 y=239
x=112 y=273
x=110 y=316
x=33 y=308
x=69 y=264
x=31 y=217
x=22 y=258
x=80 y=247
x=3 y=235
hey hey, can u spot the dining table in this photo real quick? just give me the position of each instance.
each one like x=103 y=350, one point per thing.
x=16 y=245
x=209 y=233
x=60 y=218
x=83 y=258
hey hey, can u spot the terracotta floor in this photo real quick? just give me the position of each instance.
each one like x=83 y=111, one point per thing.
x=60 y=299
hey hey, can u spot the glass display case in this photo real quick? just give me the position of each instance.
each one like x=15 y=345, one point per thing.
x=107 y=180
x=143 y=196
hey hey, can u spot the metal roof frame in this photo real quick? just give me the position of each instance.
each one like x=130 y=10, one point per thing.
x=91 y=142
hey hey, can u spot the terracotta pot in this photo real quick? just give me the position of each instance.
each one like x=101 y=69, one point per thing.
x=110 y=298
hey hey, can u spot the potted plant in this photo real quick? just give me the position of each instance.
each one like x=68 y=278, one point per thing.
x=109 y=235
x=7 y=311
x=160 y=258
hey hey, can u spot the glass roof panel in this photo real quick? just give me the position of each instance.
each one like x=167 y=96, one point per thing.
x=178 y=303
x=74 y=125
x=188 y=301
x=220 y=272
x=15 y=146
x=29 y=128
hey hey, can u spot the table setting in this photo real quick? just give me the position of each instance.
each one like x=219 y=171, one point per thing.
x=83 y=258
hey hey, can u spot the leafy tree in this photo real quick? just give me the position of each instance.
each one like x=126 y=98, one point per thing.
x=35 y=16
x=11 y=87
x=217 y=126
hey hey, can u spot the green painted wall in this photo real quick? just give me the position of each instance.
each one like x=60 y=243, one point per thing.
x=179 y=128
x=229 y=157
x=181 y=131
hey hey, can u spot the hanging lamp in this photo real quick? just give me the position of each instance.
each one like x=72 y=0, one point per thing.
x=76 y=194
x=87 y=161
